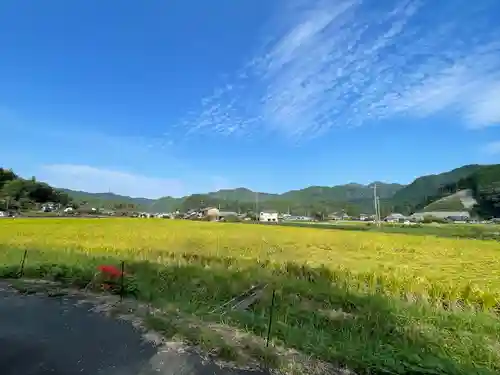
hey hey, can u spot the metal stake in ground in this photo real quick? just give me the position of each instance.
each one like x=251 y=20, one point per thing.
x=21 y=269
x=122 y=275
x=270 y=319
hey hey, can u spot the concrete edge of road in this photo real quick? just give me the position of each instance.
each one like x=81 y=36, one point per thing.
x=186 y=359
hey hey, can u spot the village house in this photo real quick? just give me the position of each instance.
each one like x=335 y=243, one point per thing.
x=396 y=218
x=268 y=216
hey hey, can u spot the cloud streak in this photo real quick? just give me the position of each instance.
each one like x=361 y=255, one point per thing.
x=94 y=179
x=98 y=180
x=343 y=63
x=98 y=162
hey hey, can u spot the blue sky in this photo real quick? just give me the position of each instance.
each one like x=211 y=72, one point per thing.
x=174 y=97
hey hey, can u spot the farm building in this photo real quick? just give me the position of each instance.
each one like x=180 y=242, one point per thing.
x=269 y=216
x=211 y=213
x=223 y=215
x=395 y=218
x=419 y=216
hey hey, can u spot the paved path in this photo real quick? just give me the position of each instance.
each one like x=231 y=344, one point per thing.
x=57 y=336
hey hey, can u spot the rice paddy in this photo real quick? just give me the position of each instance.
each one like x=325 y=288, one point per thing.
x=376 y=302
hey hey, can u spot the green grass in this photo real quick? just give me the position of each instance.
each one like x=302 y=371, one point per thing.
x=451 y=203
x=380 y=303
x=316 y=312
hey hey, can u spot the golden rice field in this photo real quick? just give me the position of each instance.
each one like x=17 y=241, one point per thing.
x=451 y=261
x=405 y=290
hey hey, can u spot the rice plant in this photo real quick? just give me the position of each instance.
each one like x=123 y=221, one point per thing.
x=370 y=300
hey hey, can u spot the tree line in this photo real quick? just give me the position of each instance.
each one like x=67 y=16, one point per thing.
x=18 y=193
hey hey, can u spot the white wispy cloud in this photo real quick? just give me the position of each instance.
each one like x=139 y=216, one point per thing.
x=98 y=180
x=344 y=63
x=93 y=161
x=95 y=179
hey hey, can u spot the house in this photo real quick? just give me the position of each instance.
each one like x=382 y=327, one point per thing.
x=268 y=216
x=192 y=214
x=48 y=207
x=301 y=218
x=419 y=216
x=395 y=218
x=458 y=219
x=223 y=215
x=210 y=213
x=334 y=216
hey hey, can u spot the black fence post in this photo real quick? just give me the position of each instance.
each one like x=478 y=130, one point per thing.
x=270 y=319
x=21 y=269
x=122 y=276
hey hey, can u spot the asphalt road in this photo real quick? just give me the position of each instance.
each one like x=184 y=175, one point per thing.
x=59 y=336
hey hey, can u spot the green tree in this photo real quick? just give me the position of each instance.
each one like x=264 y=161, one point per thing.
x=319 y=215
x=13 y=189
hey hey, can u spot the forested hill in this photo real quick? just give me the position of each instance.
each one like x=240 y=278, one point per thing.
x=108 y=200
x=428 y=186
x=484 y=183
x=352 y=198
x=19 y=193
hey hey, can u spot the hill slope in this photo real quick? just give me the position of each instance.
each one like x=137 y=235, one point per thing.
x=342 y=193
x=423 y=187
x=108 y=200
x=462 y=200
x=356 y=197
x=353 y=198
x=242 y=195
x=485 y=185
x=478 y=193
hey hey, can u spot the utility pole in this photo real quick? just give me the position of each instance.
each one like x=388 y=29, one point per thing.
x=378 y=208
x=375 y=205
x=257 y=214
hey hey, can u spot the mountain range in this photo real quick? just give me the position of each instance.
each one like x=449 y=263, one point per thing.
x=229 y=198
x=353 y=198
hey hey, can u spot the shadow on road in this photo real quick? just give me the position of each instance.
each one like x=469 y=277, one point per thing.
x=61 y=336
